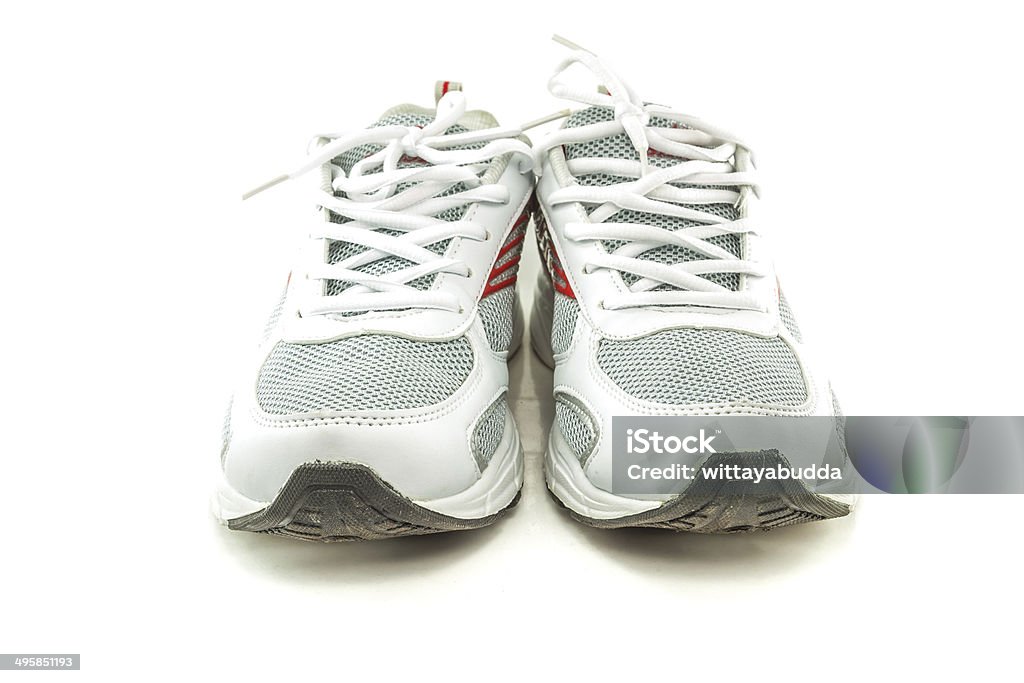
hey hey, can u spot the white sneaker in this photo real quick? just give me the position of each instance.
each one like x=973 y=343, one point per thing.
x=659 y=299
x=376 y=404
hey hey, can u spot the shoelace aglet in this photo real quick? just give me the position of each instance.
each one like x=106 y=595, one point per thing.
x=265 y=186
x=568 y=43
x=546 y=119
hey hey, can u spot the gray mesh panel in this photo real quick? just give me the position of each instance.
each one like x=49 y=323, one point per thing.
x=788 y=319
x=691 y=366
x=837 y=412
x=496 y=316
x=614 y=146
x=619 y=147
x=564 y=324
x=576 y=426
x=488 y=432
x=370 y=372
x=226 y=431
x=275 y=316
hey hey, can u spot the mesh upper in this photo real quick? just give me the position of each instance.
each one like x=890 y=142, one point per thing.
x=788 y=319
x=226 y=431
x=620 y=147
x=701 y=366
x=488 y=432
x=576 y=426
x=564 y=323
x=496 y=313
x=840 y=422
x=368 y=372
x=275 y=316
x=686 y=366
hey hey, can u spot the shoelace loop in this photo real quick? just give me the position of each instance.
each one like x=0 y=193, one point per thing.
x=368 y=197
x=715 y=167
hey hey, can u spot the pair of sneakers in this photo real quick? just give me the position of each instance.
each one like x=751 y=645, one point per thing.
x=377 y=403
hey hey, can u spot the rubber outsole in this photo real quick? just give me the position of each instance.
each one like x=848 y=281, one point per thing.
x=731 y=506
x=334 y=502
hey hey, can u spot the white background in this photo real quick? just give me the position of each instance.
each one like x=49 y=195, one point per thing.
x=890 y=140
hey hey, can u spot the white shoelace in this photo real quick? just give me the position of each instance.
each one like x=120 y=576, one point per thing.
x=371 y=201
x=712 y=157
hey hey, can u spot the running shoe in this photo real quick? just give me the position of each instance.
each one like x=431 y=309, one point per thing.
x=376 y=404
x=658 y=299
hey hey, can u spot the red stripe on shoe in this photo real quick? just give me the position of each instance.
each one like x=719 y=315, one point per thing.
x=498 y=286
x=497 y=271
x=511 y=245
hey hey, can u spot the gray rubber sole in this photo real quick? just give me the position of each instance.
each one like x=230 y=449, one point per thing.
x=713 y=506
x=331 y=501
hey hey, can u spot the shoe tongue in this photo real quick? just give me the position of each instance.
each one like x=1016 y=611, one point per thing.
x=616 y=146
x=619 y=147
x=411 y=115
x=402 y=115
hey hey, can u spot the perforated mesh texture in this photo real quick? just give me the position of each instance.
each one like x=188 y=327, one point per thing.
x=840 y=423
x=699 y=366
x=339 y=251
x=369 y=372
x=788 y=319
x=226 y=431
x=496 y=313
x=488 y=432
x=619 y=147
x=275 y=316
x=576 y=426
x=564 y=324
